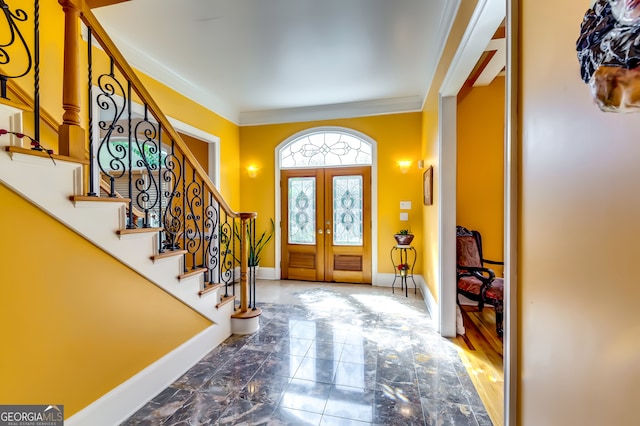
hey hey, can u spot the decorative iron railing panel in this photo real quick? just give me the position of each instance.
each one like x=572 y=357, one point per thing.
x=135 y=152
x=142 y=158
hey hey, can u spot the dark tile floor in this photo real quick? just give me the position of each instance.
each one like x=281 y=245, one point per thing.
x=337 y=358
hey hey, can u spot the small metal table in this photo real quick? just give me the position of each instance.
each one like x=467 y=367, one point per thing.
x=403 y=258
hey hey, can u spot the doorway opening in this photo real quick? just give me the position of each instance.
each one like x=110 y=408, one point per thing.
x=487 y=26
x=325 y=186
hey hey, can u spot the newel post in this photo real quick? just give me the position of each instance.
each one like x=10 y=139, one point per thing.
x=244 y=261
x=71 y=135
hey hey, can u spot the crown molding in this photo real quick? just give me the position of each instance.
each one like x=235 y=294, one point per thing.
x=332 y=111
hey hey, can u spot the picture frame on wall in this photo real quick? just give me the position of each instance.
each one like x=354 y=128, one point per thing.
x=427 y=184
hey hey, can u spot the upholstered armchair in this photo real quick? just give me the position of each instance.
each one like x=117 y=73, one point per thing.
x=475 y=281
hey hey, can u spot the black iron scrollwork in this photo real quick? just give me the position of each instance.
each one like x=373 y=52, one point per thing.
x=15 y=41
x=146 y=148
x=112 y=155
x=172 y=215
x=193 y=229
x=227 y=258
x=211 y=226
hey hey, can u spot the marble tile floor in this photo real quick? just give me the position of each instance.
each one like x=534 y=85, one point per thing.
x=326 y=354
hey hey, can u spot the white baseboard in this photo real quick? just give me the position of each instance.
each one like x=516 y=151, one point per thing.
x=429 y=300
x=120 y=403
x=382 y=280
x=266 y=274
x=386 y=280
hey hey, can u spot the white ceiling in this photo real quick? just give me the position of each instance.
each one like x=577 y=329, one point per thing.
x=264 y=61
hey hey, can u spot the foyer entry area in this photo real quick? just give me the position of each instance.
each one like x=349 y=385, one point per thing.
x=326 y=354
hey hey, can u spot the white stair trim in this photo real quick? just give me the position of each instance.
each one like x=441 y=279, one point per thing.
x=49 y=187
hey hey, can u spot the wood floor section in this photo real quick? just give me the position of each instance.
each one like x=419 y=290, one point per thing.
x=481 y=353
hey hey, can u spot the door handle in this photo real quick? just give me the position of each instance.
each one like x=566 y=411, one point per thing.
x=328 y=231
x=320 y=231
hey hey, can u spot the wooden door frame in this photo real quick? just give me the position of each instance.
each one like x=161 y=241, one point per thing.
x=375 y=280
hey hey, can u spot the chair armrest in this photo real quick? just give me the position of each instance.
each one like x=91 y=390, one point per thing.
x=493 y=262
x=467 y=271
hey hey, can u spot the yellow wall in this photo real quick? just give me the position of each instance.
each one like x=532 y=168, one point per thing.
x=578 y=236
x=430 y=152
x=199 y=148
x=67 y=340
x=480 y=169
x=397 y=137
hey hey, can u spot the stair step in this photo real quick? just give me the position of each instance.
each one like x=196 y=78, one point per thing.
x=88 y=198
x=192 y=273
x=209 y=288
x=137 y=231
x=26 y=151
x=167 y=254
x=224 y=300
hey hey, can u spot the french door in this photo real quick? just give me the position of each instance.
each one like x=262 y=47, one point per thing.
x=326 y=224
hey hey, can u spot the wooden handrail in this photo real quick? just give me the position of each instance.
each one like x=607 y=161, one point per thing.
x=121 y=63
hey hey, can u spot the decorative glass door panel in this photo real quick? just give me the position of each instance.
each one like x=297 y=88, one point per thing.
x=327 y=238
x=302 y=210
x=347 y=210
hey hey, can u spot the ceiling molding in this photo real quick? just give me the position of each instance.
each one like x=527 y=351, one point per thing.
x=334 y=111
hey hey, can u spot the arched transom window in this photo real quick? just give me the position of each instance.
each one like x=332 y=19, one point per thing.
x=325 y=149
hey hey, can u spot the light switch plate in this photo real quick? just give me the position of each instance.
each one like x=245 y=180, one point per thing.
x=404 y=216
x=405 y=205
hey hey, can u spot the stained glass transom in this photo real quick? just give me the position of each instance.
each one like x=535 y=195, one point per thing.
x=347 y=210
x=302 y=210
x=326 y=149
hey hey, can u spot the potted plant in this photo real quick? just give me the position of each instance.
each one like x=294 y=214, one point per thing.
x=403 y=237
x=256 y=247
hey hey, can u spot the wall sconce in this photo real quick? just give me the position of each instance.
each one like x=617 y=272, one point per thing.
x=252 y=171
x=404 y=166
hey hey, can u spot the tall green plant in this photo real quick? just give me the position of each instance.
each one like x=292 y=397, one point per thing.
x=256 y=247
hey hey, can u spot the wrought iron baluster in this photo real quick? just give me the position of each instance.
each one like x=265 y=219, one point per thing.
x=227 y=254
x=212 y=251
x=160 y=191
x=147 y=187
x=111 y=155
x=14 y=37
x=92 y=157
x=173 y=212
x=36 y=69
x=252 y=281
x=130 y=223
x=193 y=233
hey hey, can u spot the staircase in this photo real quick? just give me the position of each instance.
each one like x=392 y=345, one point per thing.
x=124 y=179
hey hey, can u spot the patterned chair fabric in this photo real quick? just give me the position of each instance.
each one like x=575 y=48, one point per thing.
x=475 y=281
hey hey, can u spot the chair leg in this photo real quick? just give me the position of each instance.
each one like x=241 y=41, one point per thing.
x=499 y=318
